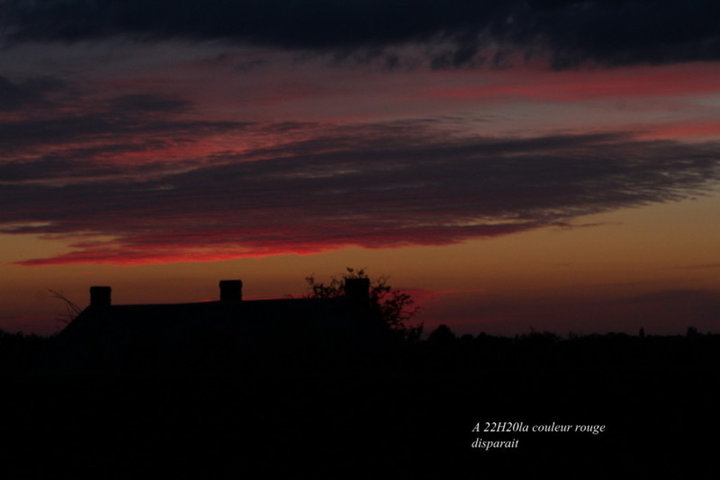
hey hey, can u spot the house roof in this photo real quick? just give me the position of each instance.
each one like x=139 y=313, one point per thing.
x=119 y=336
x=163 y=322
x=115 y=330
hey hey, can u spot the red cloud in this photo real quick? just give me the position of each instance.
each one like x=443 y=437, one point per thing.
x=376 y=187
x=571 y=86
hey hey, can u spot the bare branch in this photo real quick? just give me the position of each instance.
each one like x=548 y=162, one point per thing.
x=72 y=309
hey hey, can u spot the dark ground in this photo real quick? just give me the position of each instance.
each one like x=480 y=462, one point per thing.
x=400 y=410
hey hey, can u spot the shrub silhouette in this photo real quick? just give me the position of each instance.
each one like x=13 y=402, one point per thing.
x=393 y=307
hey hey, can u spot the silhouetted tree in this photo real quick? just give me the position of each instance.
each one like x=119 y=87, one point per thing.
x=442 y=335
x=392 y=306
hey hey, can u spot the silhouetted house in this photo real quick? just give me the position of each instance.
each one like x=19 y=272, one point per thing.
x=133 y=336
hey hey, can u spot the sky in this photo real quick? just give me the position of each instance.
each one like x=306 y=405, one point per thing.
x=514 y=165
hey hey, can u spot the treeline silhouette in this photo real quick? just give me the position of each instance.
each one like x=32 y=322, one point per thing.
x=33 y=354
x=391 y=408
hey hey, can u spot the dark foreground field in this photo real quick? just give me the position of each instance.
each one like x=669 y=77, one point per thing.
x=396 y=410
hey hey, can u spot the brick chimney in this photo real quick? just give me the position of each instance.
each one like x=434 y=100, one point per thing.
x=230 y=290
x=100 y=296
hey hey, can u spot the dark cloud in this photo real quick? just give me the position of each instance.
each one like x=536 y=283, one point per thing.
x=570 y=31
x=27 y=93
x=147 y=103
x=67 y=144
x=373 y=186
x=123 y=120
x=85 y=163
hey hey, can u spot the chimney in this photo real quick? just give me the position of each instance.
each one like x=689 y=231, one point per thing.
x=230 y=290
x=100 y=296
x=357 y=289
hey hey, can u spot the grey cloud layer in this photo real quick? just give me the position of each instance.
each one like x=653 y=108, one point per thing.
x=571 y=31
x=373 y=186
x=30 y=93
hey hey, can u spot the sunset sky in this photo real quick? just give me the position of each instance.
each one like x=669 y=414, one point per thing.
x=549 y=164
